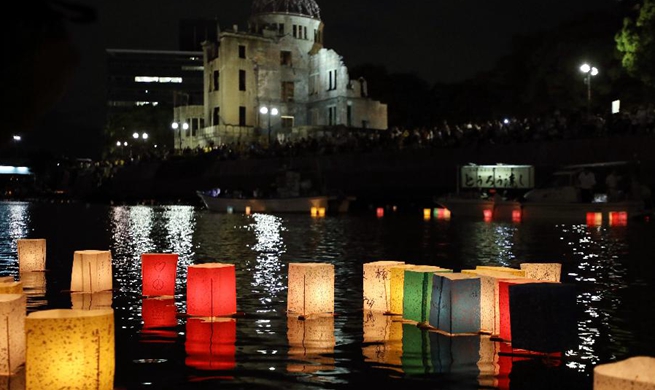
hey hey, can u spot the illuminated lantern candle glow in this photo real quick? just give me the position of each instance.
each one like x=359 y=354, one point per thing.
x=211 y=290
x=594 y=219
x=548 y=272
x=377 y=285
x=455 y=303
x=12 y=327
x=31 y=254
x=397 y=287
x=418 y=292
x=310 y=288
x=380 y=212
x=158 y=272
x=92 y=271
x=636 y=373
x=72 y=349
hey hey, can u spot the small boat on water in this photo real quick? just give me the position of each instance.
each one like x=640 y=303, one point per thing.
x=297 y=204
x=558 y=199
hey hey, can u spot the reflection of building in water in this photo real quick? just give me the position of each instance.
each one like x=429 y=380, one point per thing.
x=311 y=343
x=275 y=81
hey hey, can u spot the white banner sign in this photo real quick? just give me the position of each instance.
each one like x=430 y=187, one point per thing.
x=497 y=176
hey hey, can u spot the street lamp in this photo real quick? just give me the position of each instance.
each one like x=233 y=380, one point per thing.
x=176 y=125
x=589 y=71
x=272 y=112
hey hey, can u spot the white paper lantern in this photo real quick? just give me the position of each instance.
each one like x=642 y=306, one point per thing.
x=31 y=254
x=310 y=288
x=377 y=285
x=92 y=271
x=13 y=309
x=547 y=272
x=635 y=373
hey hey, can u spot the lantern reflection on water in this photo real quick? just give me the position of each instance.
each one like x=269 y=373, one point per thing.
x=383 y=338
x=69 y=348
x=92 y=271
x=31 y=254
x=377 y=285
x=311 y=343
x=158 y=272
x=310 y=289
x=159 y=317
x=210 y=343
x=12 y=327
x=211 y=290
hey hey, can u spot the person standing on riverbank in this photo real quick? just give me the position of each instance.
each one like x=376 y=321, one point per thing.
x=586 y=183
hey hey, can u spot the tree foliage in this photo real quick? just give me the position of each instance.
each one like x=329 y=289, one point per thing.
x=636 y=43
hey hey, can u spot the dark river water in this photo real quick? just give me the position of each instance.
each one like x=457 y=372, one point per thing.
x=612 y=268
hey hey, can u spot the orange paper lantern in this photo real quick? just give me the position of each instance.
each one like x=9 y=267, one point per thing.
x=158 y=272
x=211 y=290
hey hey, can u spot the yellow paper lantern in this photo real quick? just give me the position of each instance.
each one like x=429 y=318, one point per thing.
x=636 y=373
x=377 y=285
x=31 y=254
x=92 y=301
x=92 y=271
x=310 y=288
x=311 y=342
x=548 y=272
x=70 y=349
x=397 y=287
x=12 y=327
x=11 y=287
x=506 y=270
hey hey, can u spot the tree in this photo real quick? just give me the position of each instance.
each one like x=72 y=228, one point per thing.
x=636 y=43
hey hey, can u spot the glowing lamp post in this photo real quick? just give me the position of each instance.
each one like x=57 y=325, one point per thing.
x=269 y=112
x=176 y=126
x=72 y=349
x=589 y=71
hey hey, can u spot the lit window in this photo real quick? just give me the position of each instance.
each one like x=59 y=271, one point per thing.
x=154 y=79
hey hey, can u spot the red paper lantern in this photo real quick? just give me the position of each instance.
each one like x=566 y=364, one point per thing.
x=211 y=345
x=211 y=290
x=158 y=272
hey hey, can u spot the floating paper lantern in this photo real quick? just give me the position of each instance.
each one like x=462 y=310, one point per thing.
x=11 y=287
x=397 y=287
x=418 y=292
x=594 y=219
x=92 y=271
x=383 y=338
x=427 y=213
x=516 y=215
x=489 y=309
x=488 y=214
x=310 y=288
x=379 y=212
x=505 y=270
x=230 y=209
x=92 y=301
x=543 y=317
x=158 y=272
x=548 y=272
x=618 y=218
x=637 y=373
x=211 y=290
x=12 y=327
x=377 y=285
x=31 y=254
x=455 y=303
x=211 y=344
x=311 y=342
x=504 y=313
x=321 y=211
x=72 y=349
x=247 y=210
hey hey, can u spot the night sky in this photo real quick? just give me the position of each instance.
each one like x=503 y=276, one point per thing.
x=439 y=41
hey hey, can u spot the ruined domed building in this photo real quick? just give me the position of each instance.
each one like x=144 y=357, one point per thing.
x=275 y=81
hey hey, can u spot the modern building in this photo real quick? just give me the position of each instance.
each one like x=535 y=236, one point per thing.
x=275 y=81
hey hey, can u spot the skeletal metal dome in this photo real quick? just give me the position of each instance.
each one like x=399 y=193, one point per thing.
x=302 y=7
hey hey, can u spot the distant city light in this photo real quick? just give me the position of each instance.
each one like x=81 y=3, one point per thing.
x=139 y=104
x=144 y=135
x=11 y=170
x=118 y=143
x=125 y=143
x=17 y=138
x=135 y=135
x=175 y=125
x=155 y=79
x=506 y=121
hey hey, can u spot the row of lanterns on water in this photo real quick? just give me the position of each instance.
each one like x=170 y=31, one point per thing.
x=528 y=310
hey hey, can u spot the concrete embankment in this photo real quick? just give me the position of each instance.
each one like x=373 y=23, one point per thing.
x=403 y=174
